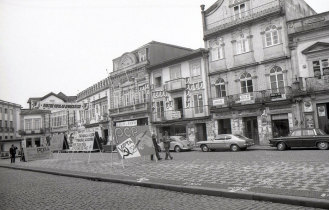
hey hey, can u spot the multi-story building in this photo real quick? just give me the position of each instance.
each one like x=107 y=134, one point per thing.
x=95 y=103
x=38 y=125
x=9 y=126
x=179 y=96
x=129 y=82
x=309 y=43
x=249 y=66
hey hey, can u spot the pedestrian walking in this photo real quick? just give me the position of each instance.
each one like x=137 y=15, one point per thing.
x=156 y=147
x=166 y=144
x=12 y=152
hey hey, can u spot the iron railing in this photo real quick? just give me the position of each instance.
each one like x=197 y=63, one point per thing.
x=180 y=114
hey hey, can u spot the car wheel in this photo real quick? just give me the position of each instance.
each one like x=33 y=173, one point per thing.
x=281 y=146
x=323 y=145
x=204 y=148
x=177 y=149
x=235 y=148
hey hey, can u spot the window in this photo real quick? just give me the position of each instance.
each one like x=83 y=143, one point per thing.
x=198 y=103
x=276 y=79
x=217 y=52
x=37 y=124
x=11 y=124
x=308 y=132
x=195 y=69
x=321 y=68
x=220 y=88
x=158 y=81
x=11 y=137
x=297 y=133
x=0 y=123
x=175 y=72
x=116 y=100
x=6 y=137
x=239 y=11
x=6 y=124
x=246 y=83
x=160 y=109
x=5 y=111
x=242 y=45
x=271 y=36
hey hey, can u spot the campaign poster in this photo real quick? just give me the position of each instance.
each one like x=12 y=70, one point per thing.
x=127 y=149
x=83 y=139
x=140 y=135
x=56 y=142
x=37 y=153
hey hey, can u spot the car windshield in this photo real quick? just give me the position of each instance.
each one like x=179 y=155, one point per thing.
x=241 y=137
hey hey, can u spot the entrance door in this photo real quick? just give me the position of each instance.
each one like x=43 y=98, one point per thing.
x=251 y=128
x=201 y=132
x=224 y=126
x=323 y=116
x=280 y=125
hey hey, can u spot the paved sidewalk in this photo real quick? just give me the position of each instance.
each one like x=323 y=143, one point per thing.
x=292 y=182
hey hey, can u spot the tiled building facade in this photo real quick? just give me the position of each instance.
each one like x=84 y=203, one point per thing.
x=250 y=66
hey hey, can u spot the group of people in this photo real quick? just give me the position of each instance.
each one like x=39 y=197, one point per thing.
x=166 y=144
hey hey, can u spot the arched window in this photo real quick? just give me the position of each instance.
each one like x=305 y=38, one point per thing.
x=242 y=44
x=246 y=83
x=220 y=88
x=216 y=50
x=276 y=79
x=271 y=36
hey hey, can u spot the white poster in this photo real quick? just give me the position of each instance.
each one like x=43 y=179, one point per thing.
x=308 y=106
x=127 y=149
x=322 y=111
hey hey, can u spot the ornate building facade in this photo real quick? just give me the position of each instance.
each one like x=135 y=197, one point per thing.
x=250 y=66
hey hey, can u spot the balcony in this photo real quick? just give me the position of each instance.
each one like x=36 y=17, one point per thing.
x=126 y=108
x=31 y=131
x=176 y=85
x=244 y=17
x=182 y=114
x=314 y=84
x=219 y=102
x=279 y=94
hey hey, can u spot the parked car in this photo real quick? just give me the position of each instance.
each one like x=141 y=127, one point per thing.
x=306 y=137
x=226 y=141
x=179 y=143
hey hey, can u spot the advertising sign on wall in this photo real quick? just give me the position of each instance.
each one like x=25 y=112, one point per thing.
x=37 y=153
x=60 y=106
x=139 y=135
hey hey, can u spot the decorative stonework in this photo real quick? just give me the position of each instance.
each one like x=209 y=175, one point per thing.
x=126 y=60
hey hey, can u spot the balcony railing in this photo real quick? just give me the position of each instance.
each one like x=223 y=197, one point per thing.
x=245 y=16
x=317 y=84
x=176 y=85
x=181 y=114
x=31 y=131
x=136 y=105
x=264 y=96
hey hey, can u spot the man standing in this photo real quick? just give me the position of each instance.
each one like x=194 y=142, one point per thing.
x=12 y=152
x=166 y=144
x=156 y=147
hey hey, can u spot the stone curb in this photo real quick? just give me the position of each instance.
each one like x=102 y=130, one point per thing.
x=283 y=199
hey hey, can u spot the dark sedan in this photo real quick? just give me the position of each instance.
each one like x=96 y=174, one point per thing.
x=307 y=137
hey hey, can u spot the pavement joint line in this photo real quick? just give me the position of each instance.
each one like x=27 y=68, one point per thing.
x=275 y=198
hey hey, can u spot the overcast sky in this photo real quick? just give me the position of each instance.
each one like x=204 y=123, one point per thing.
x=67 y=45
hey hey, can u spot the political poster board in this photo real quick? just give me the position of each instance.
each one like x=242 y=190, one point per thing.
x=37 y=153
x=56 y=142
x=127 y=149
x=83 y=139
x=140 y=136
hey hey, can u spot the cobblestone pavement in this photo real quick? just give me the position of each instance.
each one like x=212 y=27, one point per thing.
x=30 y=190
x=294 y=172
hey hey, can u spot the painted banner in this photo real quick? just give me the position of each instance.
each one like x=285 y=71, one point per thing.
x=128 y=149
x=139 y=135
x=83 y=139
x=56 y=142
x=59 y=106
x=37 y=153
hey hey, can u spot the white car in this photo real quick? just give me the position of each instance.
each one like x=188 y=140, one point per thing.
x=226 y=141
x=178 y=144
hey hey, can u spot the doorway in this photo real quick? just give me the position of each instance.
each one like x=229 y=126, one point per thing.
x=224 y=126
x=201 y=132
x=323 y=116
x=280 y=125
x=251 y=128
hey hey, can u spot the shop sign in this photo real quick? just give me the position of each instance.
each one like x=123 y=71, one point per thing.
x=126 y=123
x=308 y=106
x=61 y=106
x=37 y=153
x=176 y=115
x=276 y=95
x=218 y=102
x=245 y=97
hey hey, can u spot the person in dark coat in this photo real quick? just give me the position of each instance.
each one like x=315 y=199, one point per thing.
x=156 y=147
x=166 y=145
x=12 y=152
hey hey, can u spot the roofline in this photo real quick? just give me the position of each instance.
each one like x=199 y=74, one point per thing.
x=155 y=42
x=10 y=103
x=195 y=53
x=307 y=17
